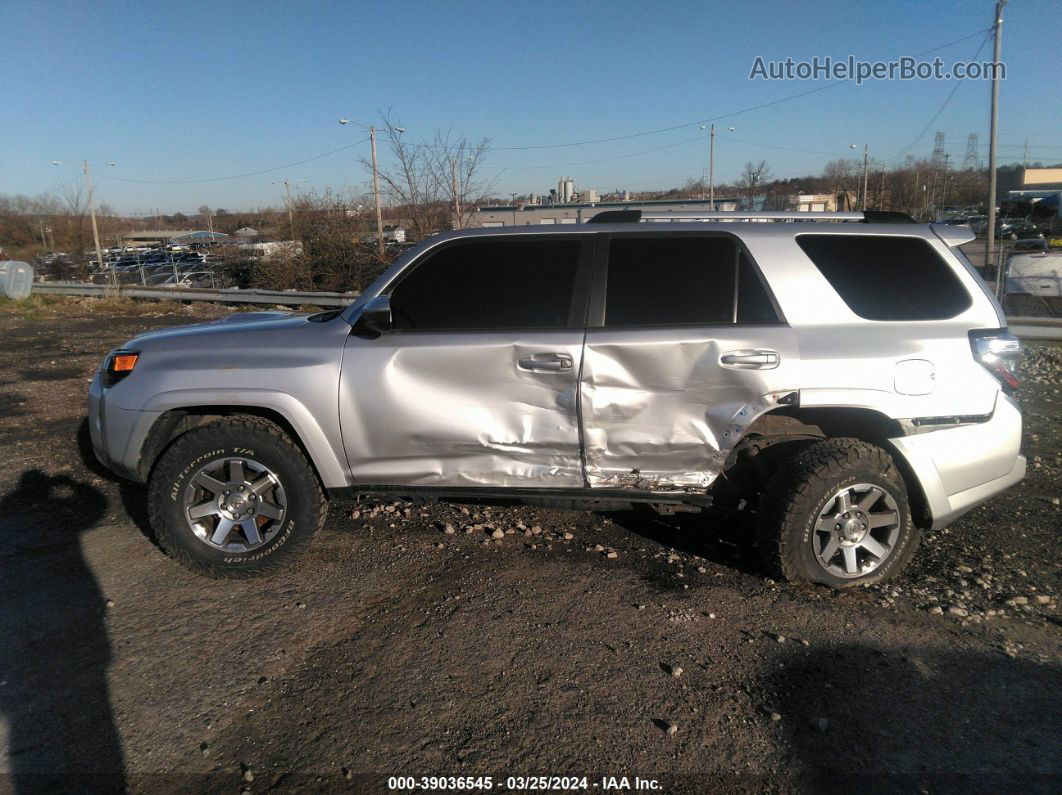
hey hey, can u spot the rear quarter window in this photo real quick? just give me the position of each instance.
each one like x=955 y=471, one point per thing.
x=886 y=277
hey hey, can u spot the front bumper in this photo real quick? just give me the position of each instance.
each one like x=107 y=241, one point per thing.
x=959 y=468
x=117 y=434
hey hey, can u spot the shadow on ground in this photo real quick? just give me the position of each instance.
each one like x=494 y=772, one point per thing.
x=133 y=495
x=721 y=536
x=54 y=648
x=861 y=718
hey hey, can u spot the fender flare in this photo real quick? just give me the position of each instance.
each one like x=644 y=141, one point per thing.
x=330 y=463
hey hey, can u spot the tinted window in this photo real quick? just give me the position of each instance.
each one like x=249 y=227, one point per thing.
x=887 y=278
x=670 y=280
x=489 y=284
x=754 y=303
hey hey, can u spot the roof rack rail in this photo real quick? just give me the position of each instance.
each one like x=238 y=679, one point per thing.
x=747 y=215
x=862 y=216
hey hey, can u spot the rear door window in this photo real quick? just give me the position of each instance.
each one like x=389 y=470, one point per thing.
x=683 y=280
x=888 y=277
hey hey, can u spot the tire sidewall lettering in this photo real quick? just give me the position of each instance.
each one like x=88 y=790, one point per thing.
x=179 y=481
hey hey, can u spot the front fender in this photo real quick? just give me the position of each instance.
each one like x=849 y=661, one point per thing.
x=316 y=439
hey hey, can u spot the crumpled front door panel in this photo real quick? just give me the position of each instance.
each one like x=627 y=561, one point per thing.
x=490 y=409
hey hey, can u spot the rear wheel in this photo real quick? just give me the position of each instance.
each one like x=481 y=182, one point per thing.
x=235 y=498
x=837 y=514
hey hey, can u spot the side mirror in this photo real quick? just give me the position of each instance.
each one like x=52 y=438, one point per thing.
x=375 y=318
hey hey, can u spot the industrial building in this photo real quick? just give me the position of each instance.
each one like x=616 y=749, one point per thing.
x=842 y=201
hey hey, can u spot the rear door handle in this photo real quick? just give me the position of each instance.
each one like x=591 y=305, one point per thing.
x=758 y=359
x=547 y=362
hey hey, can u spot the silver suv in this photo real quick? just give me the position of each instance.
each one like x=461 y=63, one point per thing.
x=847 y=377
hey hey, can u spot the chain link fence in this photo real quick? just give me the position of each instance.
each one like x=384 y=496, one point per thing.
x=1032 y=284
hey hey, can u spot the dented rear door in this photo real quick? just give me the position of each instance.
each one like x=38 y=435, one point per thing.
x=685 y=348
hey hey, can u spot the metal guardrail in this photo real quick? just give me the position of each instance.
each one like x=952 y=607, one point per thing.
x=227 y=296
x=1033 y=328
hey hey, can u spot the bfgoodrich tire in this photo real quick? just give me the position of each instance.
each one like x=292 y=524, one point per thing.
x=235 y=498
x=837 y=513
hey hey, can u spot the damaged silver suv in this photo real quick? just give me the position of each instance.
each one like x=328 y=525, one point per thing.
x=845 y=376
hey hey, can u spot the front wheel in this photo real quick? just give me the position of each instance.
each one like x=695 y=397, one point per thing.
x=837 y=514
x=235 y=498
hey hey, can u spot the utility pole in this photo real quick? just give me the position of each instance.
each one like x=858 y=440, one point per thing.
x=453 y=185
x=990 y=227
x=866 y=167
x=95 y=229
x=291 y=218
x=711 y=168
x=514 y=208
x=944 y=187
x=711 y=164
x=915 y=191
x=376 y=195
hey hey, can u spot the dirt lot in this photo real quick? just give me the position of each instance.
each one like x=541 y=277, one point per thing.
x=399 y=649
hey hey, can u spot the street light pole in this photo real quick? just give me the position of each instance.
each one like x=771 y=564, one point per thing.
x=453 y=186
x=944 y=187
x=866 y=168
x=291 y=217
x=376 y=195
x=711 y=163
x=95 y=229
x=990 y=227
x=514 y=208
x=375 y=185
x=711 y=168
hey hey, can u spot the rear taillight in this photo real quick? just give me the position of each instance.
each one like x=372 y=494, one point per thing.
x=998 y=351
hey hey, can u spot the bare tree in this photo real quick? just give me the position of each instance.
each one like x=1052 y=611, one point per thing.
x=455 y=164
x=752 y=179
x=435 y=184
x=327 y=253
x=75 y=204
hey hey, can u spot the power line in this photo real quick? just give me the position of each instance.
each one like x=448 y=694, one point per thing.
x=687 y=142
x=235 y=176
x=781 y=148
x=947 y=99
x=724 y=115
x=610 y=139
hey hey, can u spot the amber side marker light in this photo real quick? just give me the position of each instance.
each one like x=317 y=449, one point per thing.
x=122 y=364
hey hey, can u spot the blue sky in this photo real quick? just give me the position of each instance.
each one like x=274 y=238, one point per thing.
x=197 y=90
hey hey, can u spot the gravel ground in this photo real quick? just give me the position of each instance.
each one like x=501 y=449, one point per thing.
x=464 y=640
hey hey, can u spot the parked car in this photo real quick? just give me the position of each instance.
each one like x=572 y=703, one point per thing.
x=1033 y=284
x=849 y=384
x=1029 y=244
x=1005 y=227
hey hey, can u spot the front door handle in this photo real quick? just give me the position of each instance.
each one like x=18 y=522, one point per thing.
x=758 y=359
x=547 y=363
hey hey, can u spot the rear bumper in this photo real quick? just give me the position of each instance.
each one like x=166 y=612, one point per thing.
x=959 y=468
